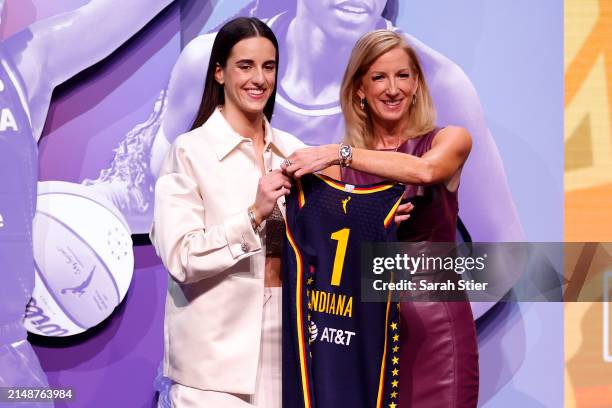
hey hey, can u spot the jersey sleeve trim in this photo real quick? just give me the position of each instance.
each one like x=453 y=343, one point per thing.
x=301 y=196
x=391 y=214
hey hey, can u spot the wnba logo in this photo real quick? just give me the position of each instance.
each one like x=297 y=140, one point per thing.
x=80 y=289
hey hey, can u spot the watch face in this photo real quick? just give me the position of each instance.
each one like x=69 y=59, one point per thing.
x=345 y=152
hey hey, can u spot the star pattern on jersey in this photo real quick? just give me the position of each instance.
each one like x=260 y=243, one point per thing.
x=393 y=332
x=309 y=281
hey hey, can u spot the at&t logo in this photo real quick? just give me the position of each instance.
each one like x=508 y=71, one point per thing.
x=330 y=335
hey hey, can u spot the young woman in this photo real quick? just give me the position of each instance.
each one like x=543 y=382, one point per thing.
x=391 y=134
x=216 y=189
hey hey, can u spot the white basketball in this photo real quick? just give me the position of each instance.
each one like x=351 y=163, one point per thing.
x=83 y=257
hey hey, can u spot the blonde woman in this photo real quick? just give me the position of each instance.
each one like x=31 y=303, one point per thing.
x=391 y=134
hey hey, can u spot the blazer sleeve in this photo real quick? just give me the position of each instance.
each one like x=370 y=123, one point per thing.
x=190 y=250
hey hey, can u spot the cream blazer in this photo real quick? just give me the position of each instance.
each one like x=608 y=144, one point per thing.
x=203 y=235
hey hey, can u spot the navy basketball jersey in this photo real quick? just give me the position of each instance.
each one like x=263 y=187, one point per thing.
x=337 y=351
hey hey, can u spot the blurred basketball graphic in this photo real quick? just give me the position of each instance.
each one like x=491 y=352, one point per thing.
x=83 y=258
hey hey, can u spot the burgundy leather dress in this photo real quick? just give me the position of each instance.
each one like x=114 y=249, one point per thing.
x=439 y=350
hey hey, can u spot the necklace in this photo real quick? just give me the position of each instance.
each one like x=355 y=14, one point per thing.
x=397 y=145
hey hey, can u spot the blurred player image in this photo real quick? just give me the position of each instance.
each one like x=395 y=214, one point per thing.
x=32 y=63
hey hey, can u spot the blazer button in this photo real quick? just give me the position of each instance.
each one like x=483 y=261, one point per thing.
x=244 y=246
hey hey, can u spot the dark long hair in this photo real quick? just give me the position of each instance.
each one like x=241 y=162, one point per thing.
x=229 y=35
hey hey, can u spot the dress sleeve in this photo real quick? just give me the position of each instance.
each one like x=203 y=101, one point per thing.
x=190 y=250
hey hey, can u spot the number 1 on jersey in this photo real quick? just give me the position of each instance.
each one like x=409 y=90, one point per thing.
x=342 y=237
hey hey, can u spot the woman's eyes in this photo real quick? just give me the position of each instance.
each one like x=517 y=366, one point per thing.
x=403 y=75
x=270 y=67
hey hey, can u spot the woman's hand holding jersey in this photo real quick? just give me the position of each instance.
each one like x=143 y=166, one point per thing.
x=311 y=160
x=270 y=188
x=403 y=213
x=324 y=159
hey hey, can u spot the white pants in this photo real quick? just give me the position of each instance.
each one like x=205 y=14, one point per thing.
x=268 y=384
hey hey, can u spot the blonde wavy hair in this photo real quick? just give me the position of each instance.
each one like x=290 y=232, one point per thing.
x=358 y=121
